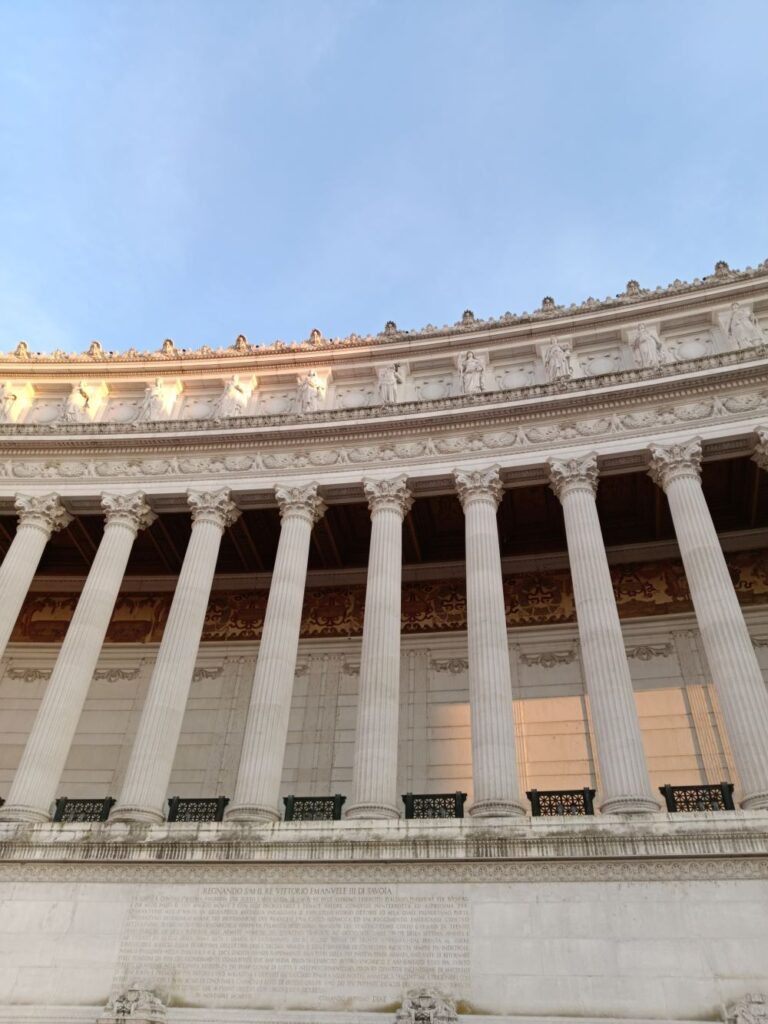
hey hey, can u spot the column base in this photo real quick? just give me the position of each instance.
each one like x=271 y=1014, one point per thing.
x=259 y=813
x=498 y=809
x=142 y=815
x=630 y=805
x=373 y=812
x=751 y=802
x=22 y=812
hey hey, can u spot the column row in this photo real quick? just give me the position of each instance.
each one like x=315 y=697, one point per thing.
x=626 y=786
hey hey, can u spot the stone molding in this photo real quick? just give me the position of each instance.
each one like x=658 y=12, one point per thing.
x=567 y=476
x=675 y=462
x=302 y=501
x=388 y=495
x=704 y=838
x=479 y=485
x=127 y=510
x=42 y=512
x=213 y=507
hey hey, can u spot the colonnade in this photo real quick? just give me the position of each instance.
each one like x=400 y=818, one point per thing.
x=626 y=786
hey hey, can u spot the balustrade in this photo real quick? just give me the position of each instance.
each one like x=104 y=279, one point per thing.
x=434 y=805
x=698 y=798
x=82 y=810
x=313 y=808
x=197 y=808
x=561 y=802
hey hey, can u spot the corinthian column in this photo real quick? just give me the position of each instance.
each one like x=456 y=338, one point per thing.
x=266 y=728
x=374 y=773
x=154 y=749
x=623 y=771
x=736 y=674
x=39 y=517
x=494 y=762
x=34 y=786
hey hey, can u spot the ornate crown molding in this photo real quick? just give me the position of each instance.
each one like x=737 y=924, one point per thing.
x=214 y=507
x=675 y=462
x=479 y=485
x=128 y=510
x=43 y=512
x=388 y=495
x=566 y=476
x=300 y=501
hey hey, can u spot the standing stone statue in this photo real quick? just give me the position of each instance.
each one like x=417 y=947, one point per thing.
x=232 y=401
x=470 y=373
x=77 y=405
x=153 y=405
x=8 y=398
x=307 y=393
x=557 y=361
x=743 y=328
x=648 y=347
x=389 y=378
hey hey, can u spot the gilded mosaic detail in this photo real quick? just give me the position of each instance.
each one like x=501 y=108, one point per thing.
x=436 y=606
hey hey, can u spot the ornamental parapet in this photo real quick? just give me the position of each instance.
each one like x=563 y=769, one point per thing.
x=648 y=367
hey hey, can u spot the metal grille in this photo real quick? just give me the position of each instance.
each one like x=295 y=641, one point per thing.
x=699 y=798
x=434 y=805
x=82 y=810
x=197 y=809
x=561 y=801
x=313 y=808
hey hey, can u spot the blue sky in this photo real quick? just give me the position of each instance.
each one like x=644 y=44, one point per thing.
x=194 y=170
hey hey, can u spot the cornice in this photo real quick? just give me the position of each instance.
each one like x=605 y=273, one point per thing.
x=550 y=317
x=581 y=396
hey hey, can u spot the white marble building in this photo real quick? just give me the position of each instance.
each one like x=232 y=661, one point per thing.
x=513 y=569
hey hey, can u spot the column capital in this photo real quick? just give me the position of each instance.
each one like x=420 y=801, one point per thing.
x=128 y=510
x=568 y=475
x=215 y=507
x=674 y=462
x=388 y=495
x=760 y=454
x=302 y=501
x=478 y=484
x=42 y=511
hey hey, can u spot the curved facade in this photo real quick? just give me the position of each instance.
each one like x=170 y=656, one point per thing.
x=513 y=568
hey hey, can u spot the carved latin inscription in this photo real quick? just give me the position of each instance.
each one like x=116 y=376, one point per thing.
x=313 y=946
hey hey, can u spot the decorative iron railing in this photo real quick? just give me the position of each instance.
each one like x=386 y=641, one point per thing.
x=313 y=808
x=182 y=808
x=548 y=802
x=434 y=805
x=82 y=810
x=699 y=798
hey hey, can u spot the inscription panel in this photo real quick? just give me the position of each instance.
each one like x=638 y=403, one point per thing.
x=355 y=946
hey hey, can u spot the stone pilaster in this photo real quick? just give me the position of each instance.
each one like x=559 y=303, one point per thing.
x=37 y=778
x=623 y=771
x=154 y=749
x=494 y=760
x=261 y=762
x=736 y=675
x=374 y=774
x=39 y=517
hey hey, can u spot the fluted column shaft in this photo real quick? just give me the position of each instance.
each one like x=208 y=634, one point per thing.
x=34 y=786
x=154 y=749
x=741 y=691
x=39 y=517
x=266 y=729
x=374 y=773
x=623 y=769
x=494 y=761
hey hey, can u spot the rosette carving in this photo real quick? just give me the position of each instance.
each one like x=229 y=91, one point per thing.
x=43 y=511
